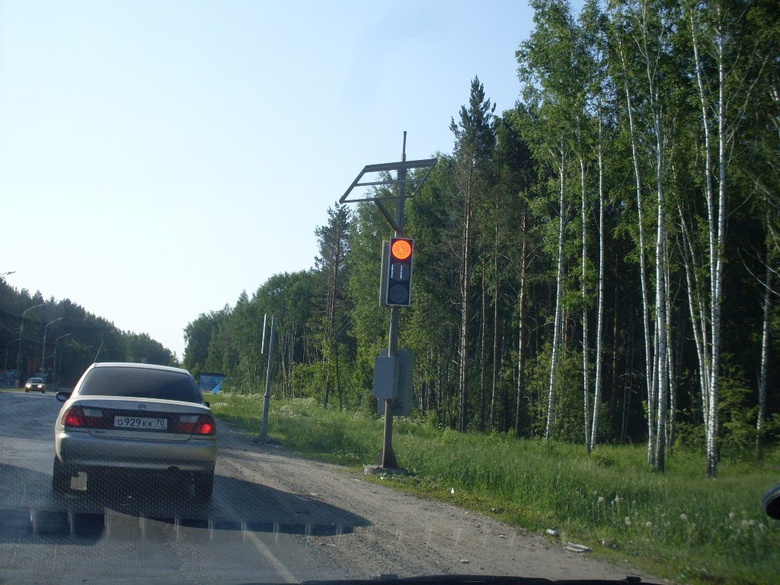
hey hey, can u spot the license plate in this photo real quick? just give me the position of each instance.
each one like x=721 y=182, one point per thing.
x=140 y=423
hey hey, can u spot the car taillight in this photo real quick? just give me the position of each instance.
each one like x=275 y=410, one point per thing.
x=195 y=424
x=85 y=418
x=74 y=417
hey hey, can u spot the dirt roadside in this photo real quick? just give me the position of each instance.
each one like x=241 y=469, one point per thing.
x=398 y=533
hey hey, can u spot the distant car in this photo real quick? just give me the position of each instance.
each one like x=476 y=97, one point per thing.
x=35 y=385
x=135 y=418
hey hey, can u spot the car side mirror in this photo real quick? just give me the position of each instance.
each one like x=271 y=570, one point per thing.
x=63 y=396
x=206 y=402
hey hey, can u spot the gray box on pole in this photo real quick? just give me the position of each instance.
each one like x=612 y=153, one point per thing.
x=404 y=397
x=385 y=377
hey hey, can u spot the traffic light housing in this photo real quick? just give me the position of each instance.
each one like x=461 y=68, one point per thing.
x=396 y=281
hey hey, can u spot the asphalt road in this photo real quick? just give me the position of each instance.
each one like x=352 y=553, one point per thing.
x=133 y=532
x=273 y=518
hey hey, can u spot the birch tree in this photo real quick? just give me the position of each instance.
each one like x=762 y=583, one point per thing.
x=725 y=83
x=600 y=100
x=549 y=70
x=643 y=34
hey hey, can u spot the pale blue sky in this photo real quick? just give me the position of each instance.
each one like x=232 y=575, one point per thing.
x=159 y=157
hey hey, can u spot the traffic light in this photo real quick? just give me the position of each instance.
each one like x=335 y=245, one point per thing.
x=396 y=282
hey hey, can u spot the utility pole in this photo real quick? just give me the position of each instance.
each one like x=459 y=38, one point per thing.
x=388 y=455
x=21 y=338
x=397 y=222
x=43 y=353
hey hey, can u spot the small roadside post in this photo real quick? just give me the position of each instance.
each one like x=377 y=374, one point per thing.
x=396 y=272
x=268 y=373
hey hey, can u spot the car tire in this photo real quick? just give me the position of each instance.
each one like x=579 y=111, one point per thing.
x=203 y=484
x=60 y=477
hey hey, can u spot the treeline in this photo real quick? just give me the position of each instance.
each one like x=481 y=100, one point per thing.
x=596 y=264
x=60 y=339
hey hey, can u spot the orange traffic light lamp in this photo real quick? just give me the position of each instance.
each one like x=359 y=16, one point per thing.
x=396 y=281
x=401 y=249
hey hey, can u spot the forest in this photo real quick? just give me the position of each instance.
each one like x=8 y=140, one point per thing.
x=59 y=339
x=597 y=264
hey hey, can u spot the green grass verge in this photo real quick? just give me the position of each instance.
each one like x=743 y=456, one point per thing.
x=677 y=524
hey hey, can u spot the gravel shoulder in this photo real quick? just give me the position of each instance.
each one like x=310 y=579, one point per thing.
x=382 y=531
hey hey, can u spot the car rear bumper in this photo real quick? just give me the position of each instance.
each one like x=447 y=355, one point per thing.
x=79 y=450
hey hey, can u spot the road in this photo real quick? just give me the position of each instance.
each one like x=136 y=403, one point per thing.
x=274 y=518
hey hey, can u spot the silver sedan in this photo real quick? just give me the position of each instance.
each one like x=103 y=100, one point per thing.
x=135 y=417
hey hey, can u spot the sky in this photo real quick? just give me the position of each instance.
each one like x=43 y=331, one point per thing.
x=159 y=157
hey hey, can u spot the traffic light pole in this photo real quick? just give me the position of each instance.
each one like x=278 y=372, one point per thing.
x=379 y=197
x=388 y=455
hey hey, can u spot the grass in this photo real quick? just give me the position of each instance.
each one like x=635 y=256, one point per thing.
x=677 y=524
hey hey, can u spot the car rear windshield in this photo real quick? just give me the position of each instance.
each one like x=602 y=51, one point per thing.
x=140 y=383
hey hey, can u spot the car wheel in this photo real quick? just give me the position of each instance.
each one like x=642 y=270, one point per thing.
x=203 y=484
x=60 y=477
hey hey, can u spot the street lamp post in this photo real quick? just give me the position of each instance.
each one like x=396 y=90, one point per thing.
x=43 y=354
x=54 y=365
x=5 y=365
x=19 y=355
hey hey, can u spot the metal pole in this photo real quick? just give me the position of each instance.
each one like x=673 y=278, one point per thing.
x=19 y=355
x=268 y=372
x=45 y=330
x=5 y=366
x=54 y=365
x=388 y=455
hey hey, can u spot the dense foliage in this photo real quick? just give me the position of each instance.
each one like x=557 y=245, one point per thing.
x=59 y=339
x=596 y=264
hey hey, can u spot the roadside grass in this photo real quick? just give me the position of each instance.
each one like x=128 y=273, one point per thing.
x=678 y=524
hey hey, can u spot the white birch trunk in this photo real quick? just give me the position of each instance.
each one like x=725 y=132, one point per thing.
x=719 y=229
x=649 y=377
x=557 y=325
x=716 y=225
x=599 y=302
x=521 y=328
x=764 y=367
x=584 y=296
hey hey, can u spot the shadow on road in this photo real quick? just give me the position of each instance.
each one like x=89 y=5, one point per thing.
x=135 y=507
